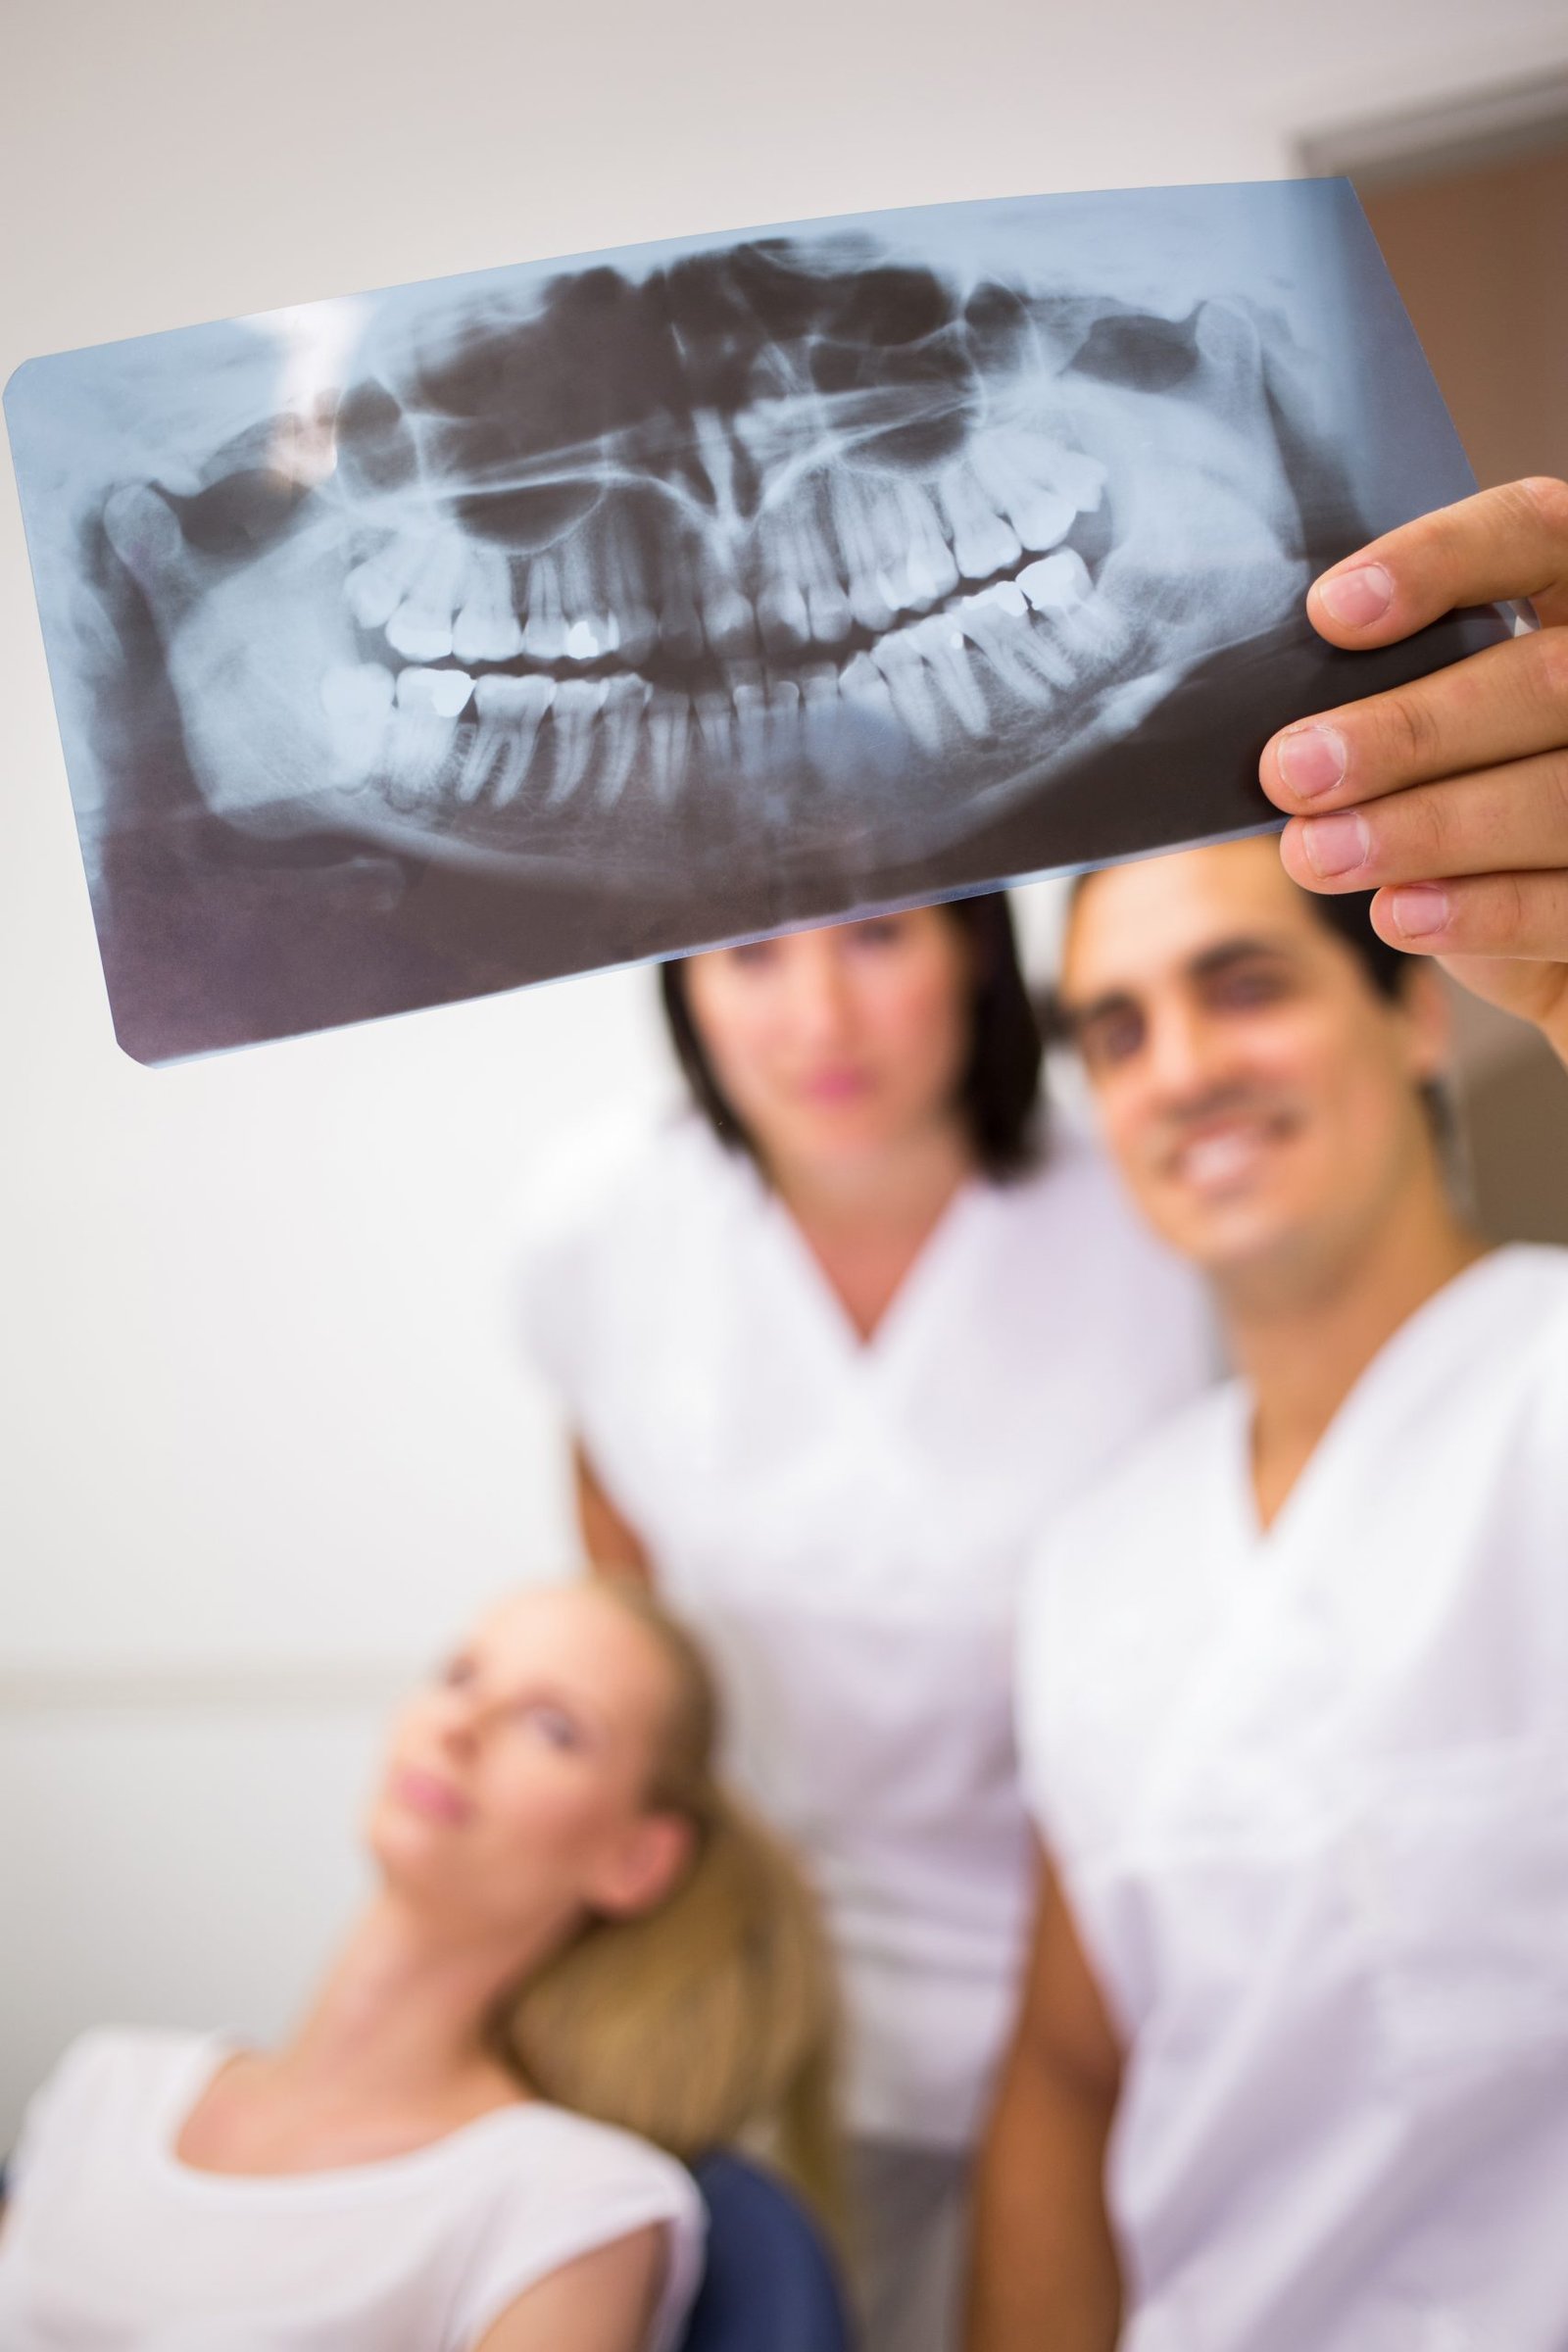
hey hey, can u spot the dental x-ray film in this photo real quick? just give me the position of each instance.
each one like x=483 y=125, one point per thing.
x=429 y=642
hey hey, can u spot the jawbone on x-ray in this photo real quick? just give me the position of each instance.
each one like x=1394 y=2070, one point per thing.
x=422 y=642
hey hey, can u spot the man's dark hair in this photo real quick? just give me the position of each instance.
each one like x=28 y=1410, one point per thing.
x=999 y=1095
x=1388 y=969
x=1390 y=972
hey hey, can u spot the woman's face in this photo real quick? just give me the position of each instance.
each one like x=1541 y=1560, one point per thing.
x=514 y=1800
x=842 y=1043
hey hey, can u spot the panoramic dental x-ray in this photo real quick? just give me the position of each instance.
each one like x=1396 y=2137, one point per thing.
x=416 y=643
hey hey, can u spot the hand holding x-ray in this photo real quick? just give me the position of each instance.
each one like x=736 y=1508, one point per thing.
x=1449 y=795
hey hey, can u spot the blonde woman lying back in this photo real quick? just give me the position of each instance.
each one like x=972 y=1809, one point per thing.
x=579 y=1964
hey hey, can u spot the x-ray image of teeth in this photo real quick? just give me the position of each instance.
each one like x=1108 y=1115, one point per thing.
x=468 y=633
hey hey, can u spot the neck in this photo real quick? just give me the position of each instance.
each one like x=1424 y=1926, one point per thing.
x=405 y=2008
x=1301 y=1334
x=904 y=1187
x=866 y=1220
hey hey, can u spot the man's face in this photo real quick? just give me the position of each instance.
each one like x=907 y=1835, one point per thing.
x=790 y=545
x=1260 y=1096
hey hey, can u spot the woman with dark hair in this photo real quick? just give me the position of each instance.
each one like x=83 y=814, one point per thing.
x=834 y=1343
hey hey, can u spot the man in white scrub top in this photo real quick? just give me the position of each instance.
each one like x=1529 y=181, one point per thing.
x=1334 y=2092
x=1293 y=2070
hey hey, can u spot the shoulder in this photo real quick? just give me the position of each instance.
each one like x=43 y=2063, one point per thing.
x=587 y=1175
x=1497 y=1336
x=1082 y=1268
x=134 y=2055
x=609 y=1221
x=105 y=2079
x=601 y=2163
x=1076 y=1208
x=623 y=1177
x=1555 y=1290
x=1519 y=1315
x=567 y=2188
x=1524 y=1288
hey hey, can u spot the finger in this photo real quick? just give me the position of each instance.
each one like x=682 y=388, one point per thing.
x=1503 y=703
x=1521 y=917
x=1503 y=820
x=1499 y=545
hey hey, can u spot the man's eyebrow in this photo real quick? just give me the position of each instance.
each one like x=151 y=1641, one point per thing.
x=1213 y=962
x=1228 y=951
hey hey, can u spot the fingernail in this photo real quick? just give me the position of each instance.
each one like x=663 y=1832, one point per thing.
x=1311 y=759
x=1419 y=909
x=1356 y=597
x=1336 y=845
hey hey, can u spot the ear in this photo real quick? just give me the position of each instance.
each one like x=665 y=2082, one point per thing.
x=1429 y=1023
x=646 y=1865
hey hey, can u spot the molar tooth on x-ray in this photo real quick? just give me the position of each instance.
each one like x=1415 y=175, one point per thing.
x=701 y=587
x=485 y=628
x=511 y=711
x=939 y=643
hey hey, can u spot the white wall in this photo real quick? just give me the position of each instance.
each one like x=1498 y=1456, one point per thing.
x=263 y=1440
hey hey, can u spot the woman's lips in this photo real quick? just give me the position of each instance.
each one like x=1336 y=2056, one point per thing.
x=424 y=1792
x=832 y=1087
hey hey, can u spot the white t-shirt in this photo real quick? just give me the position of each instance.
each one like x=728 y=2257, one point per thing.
x=1309 y=1791
x=847 y=1524
x=111 y=2244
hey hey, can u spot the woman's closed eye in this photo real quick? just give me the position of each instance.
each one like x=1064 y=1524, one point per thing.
x=554 y=1725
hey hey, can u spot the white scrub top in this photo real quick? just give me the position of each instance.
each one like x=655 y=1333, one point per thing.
x=1309 y=1792
x=111 y=2244
x=847 y=1524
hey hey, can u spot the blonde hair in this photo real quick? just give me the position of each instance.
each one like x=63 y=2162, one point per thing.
x=713 y=2015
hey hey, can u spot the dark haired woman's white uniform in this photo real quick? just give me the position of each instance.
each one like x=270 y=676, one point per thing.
x=845 y=1522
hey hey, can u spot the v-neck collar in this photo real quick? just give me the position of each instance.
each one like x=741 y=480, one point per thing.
x=1349 y=1422
x=1286 y=1583
x=902 y=1312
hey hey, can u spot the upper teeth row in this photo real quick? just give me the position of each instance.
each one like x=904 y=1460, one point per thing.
x=922 y=678
x=896 y=549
